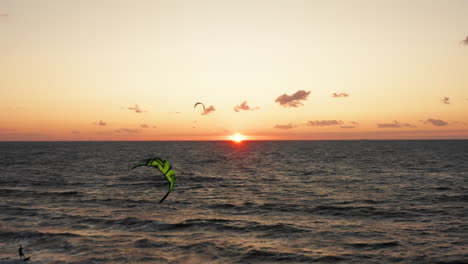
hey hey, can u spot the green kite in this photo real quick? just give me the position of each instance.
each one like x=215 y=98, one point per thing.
x=165 y=168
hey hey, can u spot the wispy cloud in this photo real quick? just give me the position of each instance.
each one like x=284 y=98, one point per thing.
x=244 y=106
x=395 y=124
x=465 y=41
x=445 y=100
x=75 y=132
x=353 y=125
x=293 y=100
x=144 y=126
x=136 y=108
x=338 y=95
x=435 y=122
x=100 y=123
x=325 y=123
x=288 y=126
x=208 y=110
x=461 y=123
x=128 y=130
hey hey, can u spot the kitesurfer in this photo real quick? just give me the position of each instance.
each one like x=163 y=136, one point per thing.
x=20 y=252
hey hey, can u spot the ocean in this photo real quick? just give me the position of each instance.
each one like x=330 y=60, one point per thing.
x=254 y=202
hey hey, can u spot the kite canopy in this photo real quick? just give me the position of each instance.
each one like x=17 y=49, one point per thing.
x=198 y=104
x=165 y=168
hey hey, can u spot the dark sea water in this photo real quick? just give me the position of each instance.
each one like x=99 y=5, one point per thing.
x=255 y=202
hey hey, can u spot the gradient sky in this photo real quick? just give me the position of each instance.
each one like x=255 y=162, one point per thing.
x=132 y=70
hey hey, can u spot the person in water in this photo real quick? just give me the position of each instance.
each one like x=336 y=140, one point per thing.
x=20 y=252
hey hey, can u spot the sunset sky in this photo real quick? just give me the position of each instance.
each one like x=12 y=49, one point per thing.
x=133 y=70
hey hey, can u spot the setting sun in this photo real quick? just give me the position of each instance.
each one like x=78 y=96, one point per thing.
x=237 y=137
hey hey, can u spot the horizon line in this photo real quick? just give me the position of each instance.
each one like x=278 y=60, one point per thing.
x=246 y=140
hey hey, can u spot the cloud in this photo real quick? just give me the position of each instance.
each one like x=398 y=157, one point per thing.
x=435 y=122
x=336 y=95
x=445 y=100
x=353 y=125
x=293 y=100
x=144 y=126
x=208 y=110
x=128 y=130
x=325 y=123
x=465 y=41
x=462 y=123
x=288 y=126
x=136 y=108
x=100 y=123
x=76 y=132
x=244 y=106
x=395 y=124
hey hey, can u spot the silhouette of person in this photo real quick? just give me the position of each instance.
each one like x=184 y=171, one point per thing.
x=20 y=252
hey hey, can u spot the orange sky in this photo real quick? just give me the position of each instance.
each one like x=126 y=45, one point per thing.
x=132 y=70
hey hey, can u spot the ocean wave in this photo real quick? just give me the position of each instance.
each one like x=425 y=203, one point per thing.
x=34 y=234
x=262 y=255
x=148 y=243
x=227 y=206
x=374 y=245
x=278 y=228
x=36 y=193
x=16 y=211
x=361 y=211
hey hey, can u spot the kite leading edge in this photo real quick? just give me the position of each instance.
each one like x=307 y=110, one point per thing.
x=199 y=103
x=165 y=168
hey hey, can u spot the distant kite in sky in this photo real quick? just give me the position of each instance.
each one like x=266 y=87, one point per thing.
x=200 y=103
x=165 y=168
x=206 y=111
